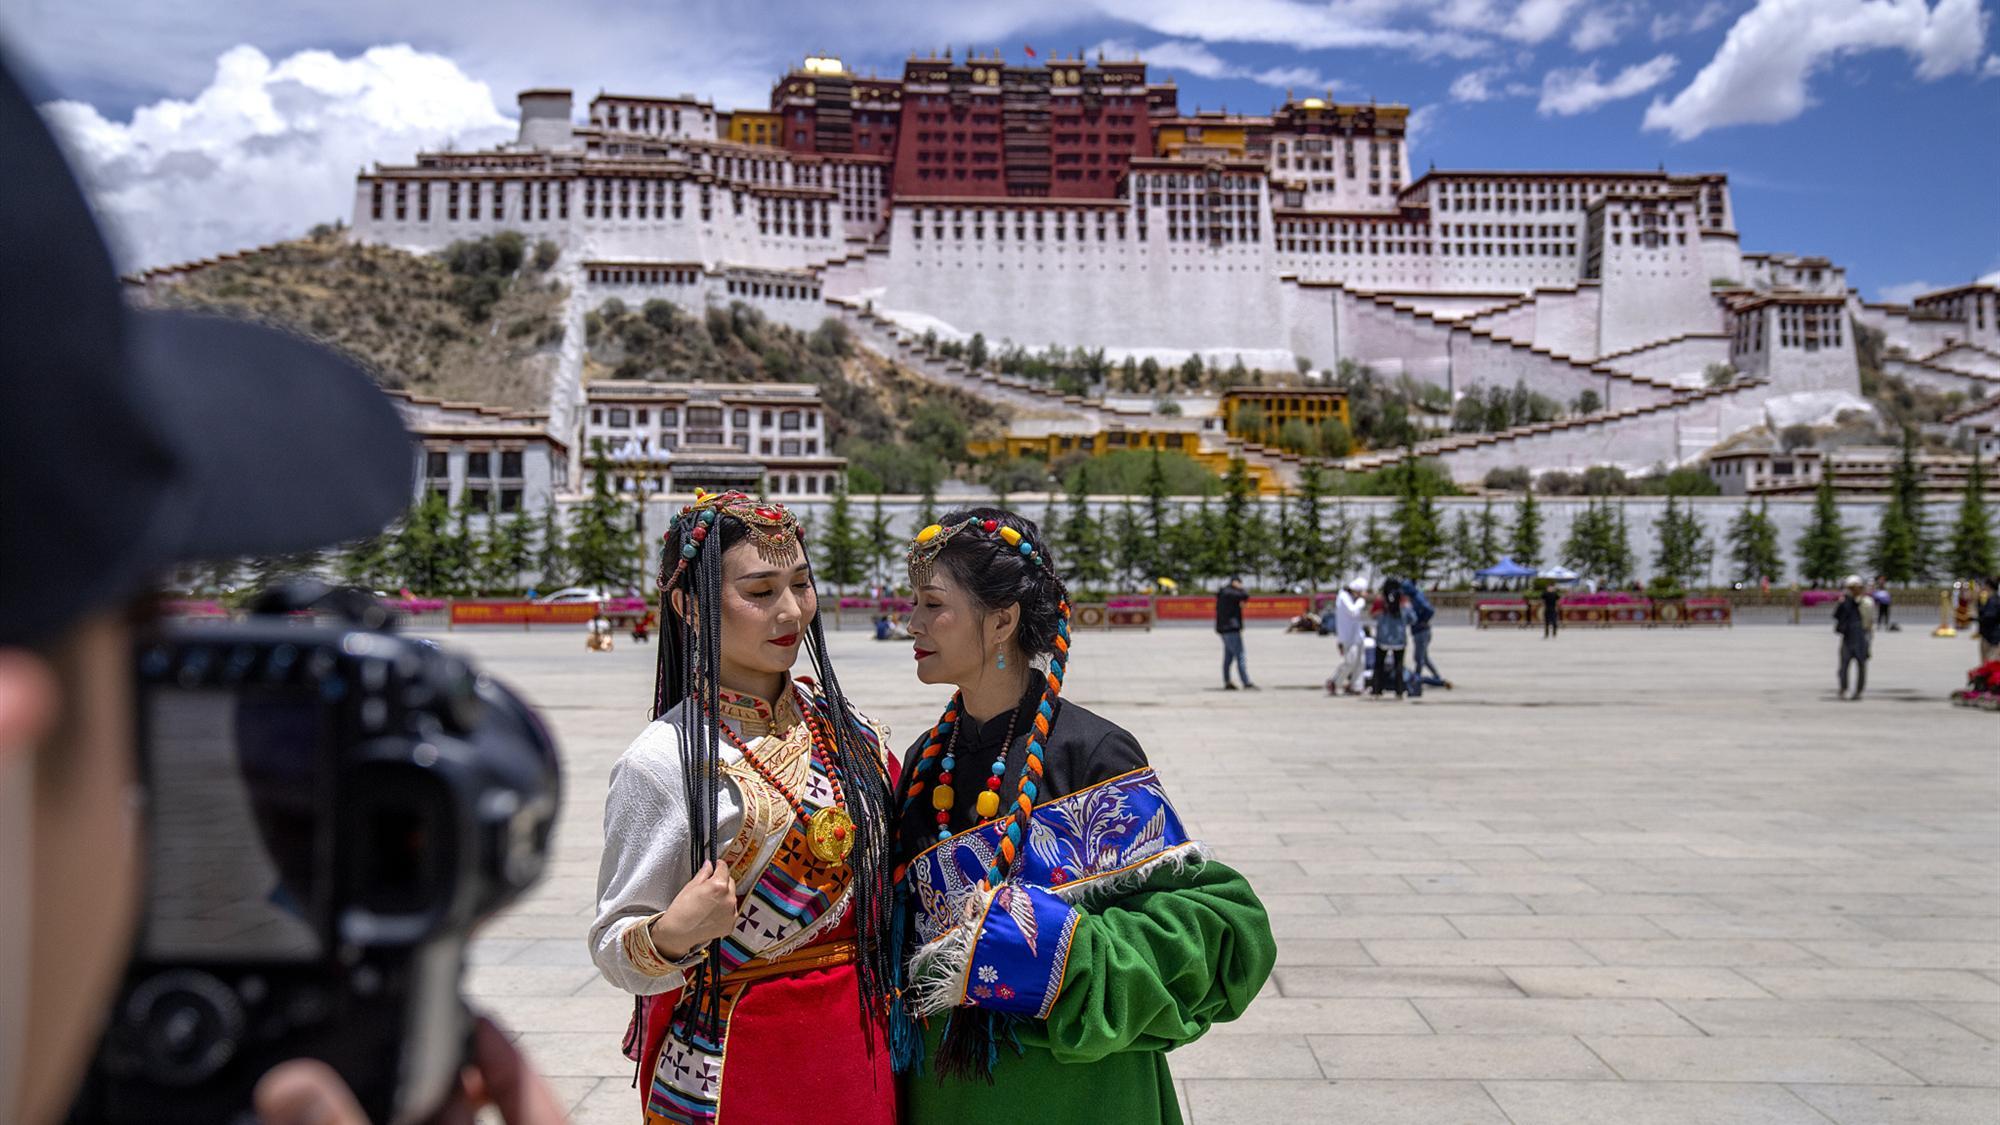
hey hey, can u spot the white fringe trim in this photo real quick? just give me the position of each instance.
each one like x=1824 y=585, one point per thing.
x=937 y=971
x=1177 y=859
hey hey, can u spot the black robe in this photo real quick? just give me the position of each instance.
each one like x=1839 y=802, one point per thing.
x=1082 y=750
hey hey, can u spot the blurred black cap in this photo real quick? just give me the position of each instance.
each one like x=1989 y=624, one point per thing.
x=131 y=441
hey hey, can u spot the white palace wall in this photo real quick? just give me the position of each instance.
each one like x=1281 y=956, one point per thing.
x=1566 y=320
x=1684 y=360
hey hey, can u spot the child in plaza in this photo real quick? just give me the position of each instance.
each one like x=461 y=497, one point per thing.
x=1063 y=932
x=744 y=894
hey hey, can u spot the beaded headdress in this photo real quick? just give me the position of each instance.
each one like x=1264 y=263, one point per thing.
x=773 y=529
x=930 y=543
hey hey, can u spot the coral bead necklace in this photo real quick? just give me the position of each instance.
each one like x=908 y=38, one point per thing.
x=987 y=804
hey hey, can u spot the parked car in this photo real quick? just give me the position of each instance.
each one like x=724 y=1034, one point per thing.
x=573 y=595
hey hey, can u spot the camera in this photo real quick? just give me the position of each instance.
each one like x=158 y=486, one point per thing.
x=330 y=809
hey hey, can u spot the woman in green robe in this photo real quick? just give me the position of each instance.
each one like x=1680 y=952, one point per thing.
x=1062 y=931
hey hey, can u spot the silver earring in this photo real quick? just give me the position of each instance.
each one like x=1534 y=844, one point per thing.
x=1001 y=661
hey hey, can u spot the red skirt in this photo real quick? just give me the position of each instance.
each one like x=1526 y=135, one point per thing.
x=798 y=1046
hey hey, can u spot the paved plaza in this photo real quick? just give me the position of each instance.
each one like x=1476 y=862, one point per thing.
x=1619 y=878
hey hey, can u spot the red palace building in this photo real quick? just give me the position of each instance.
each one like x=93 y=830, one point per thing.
x=979 y=127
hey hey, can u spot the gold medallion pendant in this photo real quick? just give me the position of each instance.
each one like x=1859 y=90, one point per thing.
x=830 y=835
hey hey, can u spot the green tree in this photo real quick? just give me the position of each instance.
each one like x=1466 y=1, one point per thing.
x=418 y=553
x=1464 y=547
x=1334 y=439
x=508 y=550
x=1971 y=553
x=1489 y=537
x=939 y=431
x=1903 y=549
x=1082 y=540
x=1618 y=558
x=1524 y=540
x=843 y=552
x=1684 y=550
x=1159 y=531
x=459 y=568
x=604 y=547
x=1305 y=545
x=1583 y=550
x=882 y=545
x=1753 y=544
x=1339 y=540
x=1297 y=436
x=367 y=562
x=1378 y=543
x=551 y=565
x=1824 y=545
x=975 y=352
x=1239 y=553
x=1419 y=538
x=1133 y=550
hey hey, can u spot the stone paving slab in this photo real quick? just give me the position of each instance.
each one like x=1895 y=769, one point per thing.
x=1633 y=878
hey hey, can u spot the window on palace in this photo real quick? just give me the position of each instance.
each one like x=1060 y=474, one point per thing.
x=510 y=464
x=437 y=463
x=479 y=464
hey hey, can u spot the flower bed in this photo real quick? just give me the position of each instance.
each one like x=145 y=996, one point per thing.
x=1982 y=688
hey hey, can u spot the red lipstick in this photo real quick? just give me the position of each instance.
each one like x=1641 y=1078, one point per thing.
x=786 y=641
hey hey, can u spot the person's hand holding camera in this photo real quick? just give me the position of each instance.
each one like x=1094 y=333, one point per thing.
x=309 y=1092
x=704 y=911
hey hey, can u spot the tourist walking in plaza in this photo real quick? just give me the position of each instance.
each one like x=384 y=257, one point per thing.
x=1392 y=636
x=1229 y=623
x=1350 y=608
x=1882 y=605
x=1423 y=673
x=744 y=895
x=1551 y=610
x=1065 y=932
x=1854 y=620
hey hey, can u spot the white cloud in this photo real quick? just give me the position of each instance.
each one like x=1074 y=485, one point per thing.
x=1666 y=25
x=1903 y=293
x=266 y=149
x=1180 y=56
x=1529 y=21
x=1488 y=83
x=1992 y=67
x=1598 y=28
x=1759 y=75
x=1423 y=120
x=1570 y=92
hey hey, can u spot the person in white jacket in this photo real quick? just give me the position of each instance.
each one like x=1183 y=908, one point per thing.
x=1349 y=608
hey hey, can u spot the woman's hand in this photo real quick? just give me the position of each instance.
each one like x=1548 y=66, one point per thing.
x=704 y=911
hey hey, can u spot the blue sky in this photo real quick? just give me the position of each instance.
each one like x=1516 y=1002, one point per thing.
x=1864 y=130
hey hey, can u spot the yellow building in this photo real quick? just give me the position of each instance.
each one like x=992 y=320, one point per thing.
x=1211 y=135
x=1051 y=441
x=755 y=127
x=1311 y=405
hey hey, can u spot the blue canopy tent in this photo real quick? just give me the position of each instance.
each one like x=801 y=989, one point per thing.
x=1506 y=568
x=1504 y=574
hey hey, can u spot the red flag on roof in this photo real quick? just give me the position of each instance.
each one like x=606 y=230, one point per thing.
x=1030 y=50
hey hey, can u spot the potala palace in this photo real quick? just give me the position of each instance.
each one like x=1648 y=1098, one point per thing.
x=1075 y=203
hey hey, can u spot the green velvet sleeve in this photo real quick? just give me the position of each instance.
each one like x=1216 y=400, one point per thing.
x=1155 y=968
